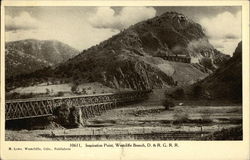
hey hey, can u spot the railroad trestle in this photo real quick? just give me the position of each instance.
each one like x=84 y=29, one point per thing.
x=90 y=105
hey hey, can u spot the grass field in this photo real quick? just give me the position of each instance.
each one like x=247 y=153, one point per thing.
x=51 y=90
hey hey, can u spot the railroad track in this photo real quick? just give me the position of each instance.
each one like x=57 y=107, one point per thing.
x=135 y=136
x=89 y=104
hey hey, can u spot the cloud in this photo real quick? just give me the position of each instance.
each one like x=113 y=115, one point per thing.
x=70 y=28
x=225 y=46
x=106 y=17
x=83 y=27
x=223 y=30
x=21 y=22
x=223 y=25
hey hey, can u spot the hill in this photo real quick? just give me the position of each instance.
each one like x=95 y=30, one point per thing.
x=226 y=82
x=134 y=58
x=26 y=56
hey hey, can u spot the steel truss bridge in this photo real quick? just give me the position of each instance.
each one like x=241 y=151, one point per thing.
x=89 y=104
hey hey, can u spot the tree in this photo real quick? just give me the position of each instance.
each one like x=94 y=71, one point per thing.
x=74 y=89
x=84 y=91
x=197 y=91
x=60 y=94
x=47 y=91
x=178 y=93
x=168 y=104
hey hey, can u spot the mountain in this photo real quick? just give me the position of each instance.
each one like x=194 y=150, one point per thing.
x=134 y=58
x=26 y=56
x=238 y=51
x=226 y=82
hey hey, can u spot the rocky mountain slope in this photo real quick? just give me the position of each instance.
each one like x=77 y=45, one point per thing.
x=133 y=58
x=226 y=82
x=26 y=56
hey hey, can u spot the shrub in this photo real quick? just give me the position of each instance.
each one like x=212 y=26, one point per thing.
x=197 y=91
x=234 y=133
x=75 y=89
x=13 y=95
x=47 y=91
x=60 y=94
x=178 y=93
x=84 y=91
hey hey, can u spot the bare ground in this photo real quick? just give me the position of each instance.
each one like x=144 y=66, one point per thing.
x=144 y=121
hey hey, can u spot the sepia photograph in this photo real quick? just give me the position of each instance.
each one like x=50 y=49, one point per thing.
x=123 y=73
x=128 y=80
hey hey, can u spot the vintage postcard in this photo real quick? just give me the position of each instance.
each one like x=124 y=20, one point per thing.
x=125 y=80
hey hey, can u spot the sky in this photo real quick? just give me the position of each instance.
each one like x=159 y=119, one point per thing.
x=83 y=27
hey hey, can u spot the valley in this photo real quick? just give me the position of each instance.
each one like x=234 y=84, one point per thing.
x=158 y=79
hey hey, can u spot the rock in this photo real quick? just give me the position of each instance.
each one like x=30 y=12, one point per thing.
x=75 y=117
x=62 y=115
x=70 y=117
